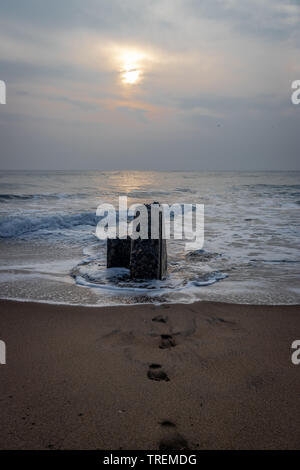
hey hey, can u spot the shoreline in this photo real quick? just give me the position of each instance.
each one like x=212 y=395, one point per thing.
x=88 y=378
x=64 y=304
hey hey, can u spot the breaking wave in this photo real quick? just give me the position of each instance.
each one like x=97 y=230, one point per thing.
x=23 y=197
x=15 y=226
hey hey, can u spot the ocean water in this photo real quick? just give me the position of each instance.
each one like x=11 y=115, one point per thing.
x=49 y=251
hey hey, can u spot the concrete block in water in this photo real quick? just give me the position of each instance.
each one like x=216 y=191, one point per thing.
x=146 y=258
x=118 y=253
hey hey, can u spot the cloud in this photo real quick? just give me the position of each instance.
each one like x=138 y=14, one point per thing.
x=138 y=113
x=276 y=19
x=204 y=64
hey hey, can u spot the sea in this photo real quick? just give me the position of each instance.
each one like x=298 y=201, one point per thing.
x=50 y=252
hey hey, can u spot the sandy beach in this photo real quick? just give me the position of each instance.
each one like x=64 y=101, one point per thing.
x=198 y=376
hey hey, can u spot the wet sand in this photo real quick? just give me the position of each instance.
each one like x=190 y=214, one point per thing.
x=199 y=376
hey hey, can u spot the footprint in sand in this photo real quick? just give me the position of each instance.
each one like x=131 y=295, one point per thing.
x=155 y=372
x=173 y=440
x=167 y=342
x=160 y=318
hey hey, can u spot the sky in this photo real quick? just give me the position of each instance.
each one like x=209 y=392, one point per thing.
x=150 y=84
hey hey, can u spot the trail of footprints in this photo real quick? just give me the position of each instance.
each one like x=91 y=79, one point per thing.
x=172 y=440
x=155 y=371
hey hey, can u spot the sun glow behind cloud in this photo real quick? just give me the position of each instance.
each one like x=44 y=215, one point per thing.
x=131 y=76
x=132 y=66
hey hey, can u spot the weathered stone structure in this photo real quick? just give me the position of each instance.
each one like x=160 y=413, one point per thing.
x=146 y=258
x=118 y=253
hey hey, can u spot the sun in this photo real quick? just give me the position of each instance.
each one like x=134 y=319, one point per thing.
x=131 y=66
x=131 y=76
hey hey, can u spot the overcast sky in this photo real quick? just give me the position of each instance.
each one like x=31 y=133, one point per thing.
x=150 y=84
